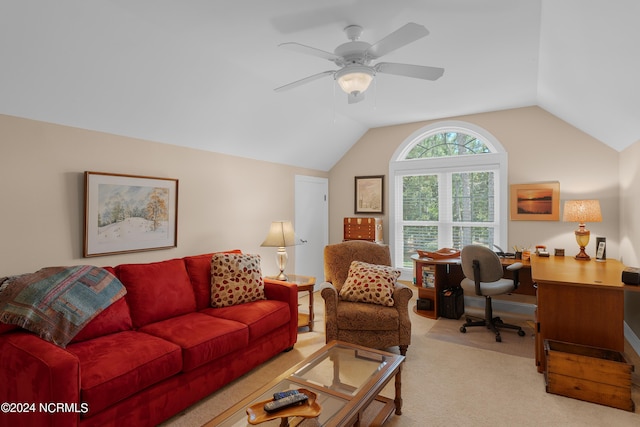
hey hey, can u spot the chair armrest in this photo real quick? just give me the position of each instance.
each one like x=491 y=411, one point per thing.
x=401 y=295
x=330 y=295
x=332 y=292
x=514 y=266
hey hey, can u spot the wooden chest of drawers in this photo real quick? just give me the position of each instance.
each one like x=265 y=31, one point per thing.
x=364 y=228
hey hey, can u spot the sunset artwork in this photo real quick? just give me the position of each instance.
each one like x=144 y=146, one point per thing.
x=535 y=202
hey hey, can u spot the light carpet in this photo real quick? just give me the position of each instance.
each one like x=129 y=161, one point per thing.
x=480 y=337
x=443 y=384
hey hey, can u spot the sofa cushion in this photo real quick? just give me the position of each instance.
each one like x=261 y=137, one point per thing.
x=114 y=367
x=157 y=291
x=202 y=338
x=199 y=269
x=115 y=318
x=261 y=316
x=370 y=283
x=235 y=279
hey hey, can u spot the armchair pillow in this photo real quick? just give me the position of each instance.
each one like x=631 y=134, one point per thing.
x=235 y=279
x=370 y=283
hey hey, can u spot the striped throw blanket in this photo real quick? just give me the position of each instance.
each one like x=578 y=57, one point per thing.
x=57 y=302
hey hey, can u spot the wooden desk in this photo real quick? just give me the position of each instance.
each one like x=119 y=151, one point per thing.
x=580 y=302
x=448 y=274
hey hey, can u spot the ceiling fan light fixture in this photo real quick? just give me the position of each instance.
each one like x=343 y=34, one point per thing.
x=355 y=79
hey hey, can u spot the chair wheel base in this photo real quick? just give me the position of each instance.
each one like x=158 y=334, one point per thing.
x=494 y=325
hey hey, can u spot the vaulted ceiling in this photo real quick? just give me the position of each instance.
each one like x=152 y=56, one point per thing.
x=202 y=73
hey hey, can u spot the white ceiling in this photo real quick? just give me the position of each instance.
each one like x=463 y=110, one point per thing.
x=201 y=73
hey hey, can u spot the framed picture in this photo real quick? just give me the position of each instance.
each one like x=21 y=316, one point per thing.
x=535 y=202
x=128 y=213
x=368 y=197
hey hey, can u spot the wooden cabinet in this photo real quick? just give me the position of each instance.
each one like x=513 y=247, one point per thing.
x=431 y=278
x=579 y=302
x=365 y=228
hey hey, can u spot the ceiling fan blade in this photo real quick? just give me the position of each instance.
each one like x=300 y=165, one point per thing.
x=407 y=70
x=355 y=97
x=400 y=37
x=308 y=50
x=303 y=81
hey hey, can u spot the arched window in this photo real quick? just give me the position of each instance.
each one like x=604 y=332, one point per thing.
x=448 y=189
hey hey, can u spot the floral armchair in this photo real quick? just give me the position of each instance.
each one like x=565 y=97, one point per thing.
x=377 y=323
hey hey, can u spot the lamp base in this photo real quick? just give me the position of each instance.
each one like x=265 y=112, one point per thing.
x=582 y=238
x=582 y=255
x=281 y=260
x=282 y=277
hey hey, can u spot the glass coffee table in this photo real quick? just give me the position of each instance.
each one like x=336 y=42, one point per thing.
x=345 y=378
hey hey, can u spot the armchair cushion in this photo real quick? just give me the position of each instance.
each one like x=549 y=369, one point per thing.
x=370 y=283
x=367 y=317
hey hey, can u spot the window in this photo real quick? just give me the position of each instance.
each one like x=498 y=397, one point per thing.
x=448 y=189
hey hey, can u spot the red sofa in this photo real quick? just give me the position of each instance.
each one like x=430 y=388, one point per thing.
x=149 y=355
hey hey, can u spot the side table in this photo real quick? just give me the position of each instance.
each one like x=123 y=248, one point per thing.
x=305 y=284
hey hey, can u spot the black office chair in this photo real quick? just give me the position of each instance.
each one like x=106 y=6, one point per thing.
x=484 y=276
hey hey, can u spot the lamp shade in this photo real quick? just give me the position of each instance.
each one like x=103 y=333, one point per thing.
x=355 y=78
x=582 y=211
x=280 y=235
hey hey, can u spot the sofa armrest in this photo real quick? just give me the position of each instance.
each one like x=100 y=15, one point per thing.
x=286 y=292
x=35 y=371
x=330 y=295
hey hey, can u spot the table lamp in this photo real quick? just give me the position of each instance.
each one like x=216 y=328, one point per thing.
x=582 y=211
x=280 y=236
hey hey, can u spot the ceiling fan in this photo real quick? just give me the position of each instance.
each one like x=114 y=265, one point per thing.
x=354 y=59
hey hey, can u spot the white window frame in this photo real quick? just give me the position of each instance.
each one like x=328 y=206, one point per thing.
x=399 y=166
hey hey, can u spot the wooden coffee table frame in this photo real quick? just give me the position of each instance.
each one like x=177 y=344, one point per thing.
x=352 y=412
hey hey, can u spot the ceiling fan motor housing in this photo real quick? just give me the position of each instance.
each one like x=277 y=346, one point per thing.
x=353 y=53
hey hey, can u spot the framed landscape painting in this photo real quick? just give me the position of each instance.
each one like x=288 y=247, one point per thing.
x=535 y=202
x=129 y=213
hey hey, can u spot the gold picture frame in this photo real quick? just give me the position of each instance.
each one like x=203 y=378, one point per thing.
x=129 y=213
x=535 y=201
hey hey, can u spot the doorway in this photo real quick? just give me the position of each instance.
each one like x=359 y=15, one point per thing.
x=311 y=225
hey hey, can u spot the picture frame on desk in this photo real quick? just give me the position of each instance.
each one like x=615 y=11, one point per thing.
x=535 y=202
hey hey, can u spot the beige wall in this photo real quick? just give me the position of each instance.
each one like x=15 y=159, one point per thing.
x=540 y=147
x=630 y=226
x=225 y=202
x=228 y=202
